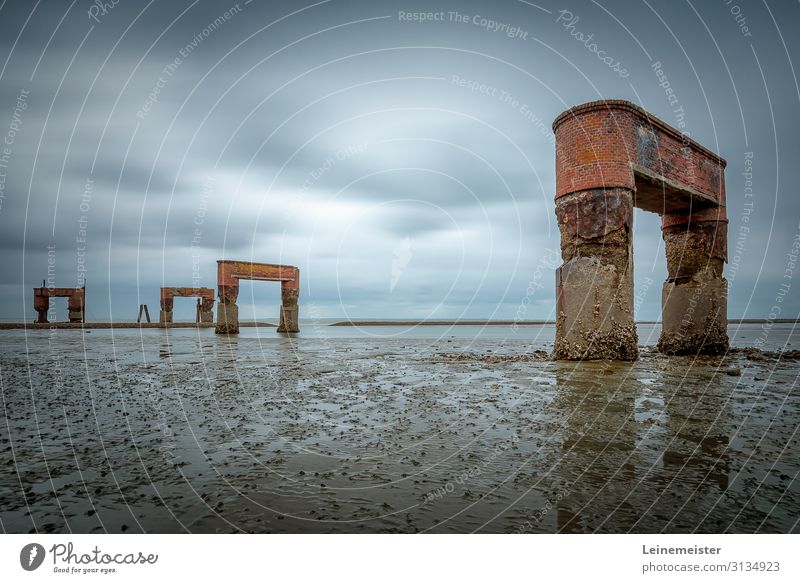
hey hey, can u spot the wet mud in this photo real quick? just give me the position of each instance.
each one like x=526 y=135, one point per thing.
x=184 y=431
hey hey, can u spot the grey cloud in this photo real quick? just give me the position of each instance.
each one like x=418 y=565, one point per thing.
x=270 y=174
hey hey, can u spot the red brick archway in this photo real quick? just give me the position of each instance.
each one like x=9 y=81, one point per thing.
x=205 y=308
x=76 y=302
x=228 y=275
x=612 y=156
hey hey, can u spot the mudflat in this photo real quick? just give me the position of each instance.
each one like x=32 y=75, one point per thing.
x=184 y=431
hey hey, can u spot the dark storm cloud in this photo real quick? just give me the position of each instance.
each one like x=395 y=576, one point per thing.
x=399 y=163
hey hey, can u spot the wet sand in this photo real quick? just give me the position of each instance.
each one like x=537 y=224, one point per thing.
x=119 y=325
x=184 y=431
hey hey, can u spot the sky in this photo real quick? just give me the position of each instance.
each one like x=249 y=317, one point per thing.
x=399 y=153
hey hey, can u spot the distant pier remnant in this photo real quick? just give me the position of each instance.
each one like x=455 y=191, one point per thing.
x=76 y=301
x=612 y=156
x=205 y=309
x=228 y=275
x=143 y=310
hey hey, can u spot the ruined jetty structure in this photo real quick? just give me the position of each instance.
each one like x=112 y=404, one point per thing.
x=76 y=302
x=612 y=156
x=228 y=275
x=205 y=307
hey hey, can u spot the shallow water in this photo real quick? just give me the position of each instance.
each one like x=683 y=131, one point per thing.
x=429 y=429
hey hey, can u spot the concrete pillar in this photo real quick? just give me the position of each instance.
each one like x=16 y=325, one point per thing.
x=75 y=307
x=227 y=310
x=290 y=317
x=165 y=315
x=206 y=310
x=695 y=296
x=594 y=285
x=41 y=303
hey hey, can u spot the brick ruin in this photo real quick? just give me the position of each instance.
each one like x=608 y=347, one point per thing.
x=76 y=302
x=205 y=302
x=228 y=275
x=611 y=157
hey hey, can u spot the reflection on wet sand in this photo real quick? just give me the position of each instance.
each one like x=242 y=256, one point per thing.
x=597 y=457
x=644 y=450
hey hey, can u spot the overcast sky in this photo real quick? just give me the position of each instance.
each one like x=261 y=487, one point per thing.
x=406 y=166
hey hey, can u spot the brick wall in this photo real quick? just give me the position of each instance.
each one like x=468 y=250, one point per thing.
x=597 y=142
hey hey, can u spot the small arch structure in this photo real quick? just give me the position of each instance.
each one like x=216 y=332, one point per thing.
x=205 y=304
x=76 y=302
x=230 y=272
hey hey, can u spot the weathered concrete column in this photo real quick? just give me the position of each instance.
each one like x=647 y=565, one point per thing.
x=290 y=318
x=165 y=315
x=594 y=286
x=41 y=303
x=206 y=311
x=227 y=310
x=695 y=296
x=75 y=306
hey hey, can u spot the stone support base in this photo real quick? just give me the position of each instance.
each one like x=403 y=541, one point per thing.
x=594 y=286
x=227 y=318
